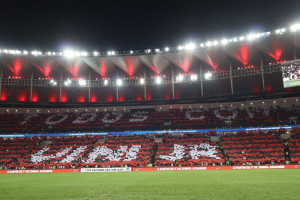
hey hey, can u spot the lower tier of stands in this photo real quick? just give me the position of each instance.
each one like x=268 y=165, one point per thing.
x=197 y=149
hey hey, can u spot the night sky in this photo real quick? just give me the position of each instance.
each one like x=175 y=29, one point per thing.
x=135 y=24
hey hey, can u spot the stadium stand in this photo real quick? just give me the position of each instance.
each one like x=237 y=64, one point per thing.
x=254 y=147
x=294 y=146
x=190 y=149
x=146 y=120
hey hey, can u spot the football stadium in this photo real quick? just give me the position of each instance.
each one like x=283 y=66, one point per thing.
x=214 y=119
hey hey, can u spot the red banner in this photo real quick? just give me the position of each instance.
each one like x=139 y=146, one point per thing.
x=216 y=168
x=33 y=171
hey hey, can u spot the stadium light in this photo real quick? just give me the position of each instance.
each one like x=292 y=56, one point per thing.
x=235 y=39
x=295 y=27
x=68 y=82
x=179 y=78
x=131 y=52
x=202 y=45
x=83 y=53
x=148 y=50
x=158 y=80
x=180 y=48
x=280 y=31
x=242 y=38
x=111 y=53
x=105 y=82
x=35 y=53
x=208 y=44
x=119 y=82
x=95 y=53
x=216 y=43
x=190 y=46
x=82 y=82
x=142 y=81
x=52 y=82
x=77 y=54
x=208 y=75
x=194 y=77
x=156 y=50
x=224 y=42
x=69 y=54
x=167 y=49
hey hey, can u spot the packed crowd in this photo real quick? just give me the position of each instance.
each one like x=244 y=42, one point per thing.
x=145 y=120
x=291 y=71
x=194 y=149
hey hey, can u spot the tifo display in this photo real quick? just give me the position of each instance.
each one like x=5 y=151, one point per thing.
x=254 y=148
x=173 y=119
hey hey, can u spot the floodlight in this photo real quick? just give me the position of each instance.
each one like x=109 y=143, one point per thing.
x=194 y=77
x=66 y=83
x=190 y=46
x=167 y=49
x=179 y=78
x=35 y=53
x=216 y=43
x=131 y=52
x=83 y=53
x=69 y=54
x=111 y=53
x=95 y=53
x=156 y=50
x=158 y=80
x=242 y=38
x=180 y=48
x=119 y=82
x=208 y=43
x=224 y=41
x=295 y=27
x=82 y=82
x=201 y=45
x=77 y=54
x=207 y=76
x=234 y=39
x=142 y=81
x=105 y=82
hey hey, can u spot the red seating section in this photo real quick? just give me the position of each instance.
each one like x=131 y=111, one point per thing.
x=254 y=147
x=294 y=146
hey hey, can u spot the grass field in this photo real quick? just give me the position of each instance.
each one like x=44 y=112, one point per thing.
x=231 y=184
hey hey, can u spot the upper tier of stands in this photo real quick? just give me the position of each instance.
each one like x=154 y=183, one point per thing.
x=146 y=120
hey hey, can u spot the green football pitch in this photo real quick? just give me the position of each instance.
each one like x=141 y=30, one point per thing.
x=231 y=184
